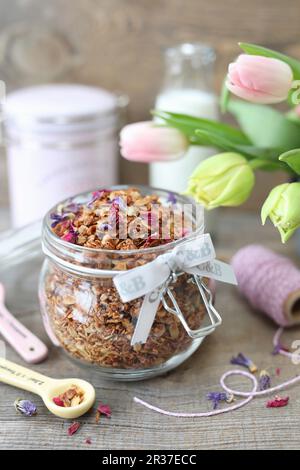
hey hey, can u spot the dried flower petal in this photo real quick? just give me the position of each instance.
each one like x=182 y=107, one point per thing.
x=118 y=202
x=104 y=410
x=57 y=219
x=217 y=397
x=72 y=207
x=73 y=428
x=244 y=361
x=70 y=235
x=25 y=407
x=277 y=402
x=97 y=195
x=279 y=347
x=58 y=401
x=171 y=198
x=264 y=380
x=88 y=440
x=105 y=226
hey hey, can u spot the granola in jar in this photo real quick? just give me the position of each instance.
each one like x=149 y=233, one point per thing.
x=88 y=240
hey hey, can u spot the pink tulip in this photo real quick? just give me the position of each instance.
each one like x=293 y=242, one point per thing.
x=259 y=79
x=146 y=142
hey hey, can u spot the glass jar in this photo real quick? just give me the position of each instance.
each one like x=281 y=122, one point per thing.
x=83 y=313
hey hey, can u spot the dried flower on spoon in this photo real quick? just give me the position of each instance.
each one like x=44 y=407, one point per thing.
x=71 y=397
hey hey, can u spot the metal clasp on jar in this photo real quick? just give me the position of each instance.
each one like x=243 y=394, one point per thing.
x=207 y=297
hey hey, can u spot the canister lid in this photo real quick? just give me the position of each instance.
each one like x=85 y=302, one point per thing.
x=50 y=107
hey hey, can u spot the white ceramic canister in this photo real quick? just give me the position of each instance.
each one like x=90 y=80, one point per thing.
x=61 y=140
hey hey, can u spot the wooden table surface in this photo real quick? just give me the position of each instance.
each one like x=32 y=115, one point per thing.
x=184 y=389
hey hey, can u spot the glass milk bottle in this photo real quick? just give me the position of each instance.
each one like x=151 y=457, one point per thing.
x=187 y=89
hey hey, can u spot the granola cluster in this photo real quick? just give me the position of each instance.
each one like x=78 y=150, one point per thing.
x=120 y=220
x=86 y=314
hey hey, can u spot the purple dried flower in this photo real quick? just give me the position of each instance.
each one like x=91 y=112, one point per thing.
x=57 y=218
x=172 y=199
x=244 y=361
x=105 y=226
x=264 y=380
x=72 y=207
x=25 y=407
x=118 y=202
x=65 y=213
x=217 y=397
x=279 y=347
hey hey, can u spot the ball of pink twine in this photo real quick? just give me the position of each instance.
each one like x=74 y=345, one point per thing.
x=270 y=282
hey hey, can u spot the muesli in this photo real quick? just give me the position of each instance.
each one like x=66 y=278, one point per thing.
x=86 y=314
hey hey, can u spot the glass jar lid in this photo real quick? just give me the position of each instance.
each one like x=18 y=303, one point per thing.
x=57 y=108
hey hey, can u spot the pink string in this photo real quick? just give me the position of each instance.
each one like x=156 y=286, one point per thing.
x=267 y=280
x=249 y=395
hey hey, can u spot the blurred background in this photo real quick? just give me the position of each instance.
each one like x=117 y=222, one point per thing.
x=118 y=45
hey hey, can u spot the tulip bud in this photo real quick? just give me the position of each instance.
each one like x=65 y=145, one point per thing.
x=225 y=179
x=259 y=79
x=145 y=142
x=282 y=206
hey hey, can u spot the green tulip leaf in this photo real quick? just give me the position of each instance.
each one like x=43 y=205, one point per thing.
x=292 y=159
x=265 y=126
x=189 y=124
x=249 y=151
x=254 y=49
x=292 y=116
x=265 y=165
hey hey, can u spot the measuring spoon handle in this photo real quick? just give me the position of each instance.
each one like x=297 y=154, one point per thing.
x=30 y=348
x=20 y=377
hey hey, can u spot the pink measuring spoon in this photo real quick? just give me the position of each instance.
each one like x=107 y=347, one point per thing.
x=30 y=348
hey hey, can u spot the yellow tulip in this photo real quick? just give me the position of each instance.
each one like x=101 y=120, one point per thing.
x=225 y=179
